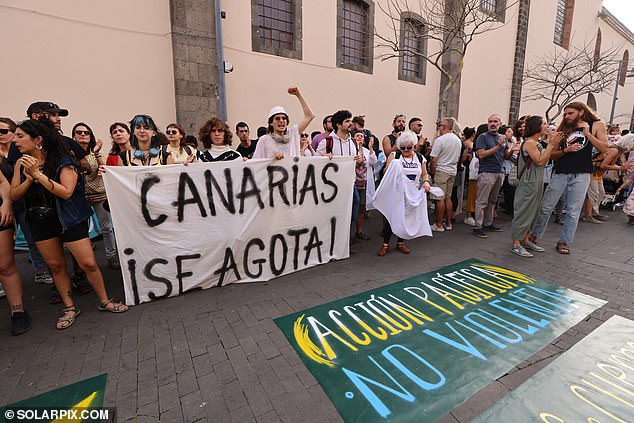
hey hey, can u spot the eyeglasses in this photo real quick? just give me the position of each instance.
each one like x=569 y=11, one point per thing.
x=4 y=131
x=79 y=132
x=171 y=132
x=409 y=147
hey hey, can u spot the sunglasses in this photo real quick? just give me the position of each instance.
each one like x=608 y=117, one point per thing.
x=82 y=132
x=4 y=131
x=409 y=147
x=171 y=132
x=304 y=135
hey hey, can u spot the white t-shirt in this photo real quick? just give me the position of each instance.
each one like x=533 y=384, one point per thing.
x=447 y=149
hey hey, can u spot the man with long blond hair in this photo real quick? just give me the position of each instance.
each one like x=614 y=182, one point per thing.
x=582 y=130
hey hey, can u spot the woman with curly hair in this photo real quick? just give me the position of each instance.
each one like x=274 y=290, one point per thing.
x=216 y=136
x=57 y=212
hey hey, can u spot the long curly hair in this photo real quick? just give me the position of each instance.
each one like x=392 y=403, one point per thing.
x=53 y=146
x=214 y=123
x=588 y=115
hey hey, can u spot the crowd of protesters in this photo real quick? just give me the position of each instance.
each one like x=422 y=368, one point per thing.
x=51 y=185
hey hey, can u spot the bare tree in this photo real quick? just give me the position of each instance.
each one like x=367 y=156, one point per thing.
x=561 y=76
x=448 y=28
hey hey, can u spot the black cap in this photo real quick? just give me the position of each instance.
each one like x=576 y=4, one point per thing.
x=45 y=106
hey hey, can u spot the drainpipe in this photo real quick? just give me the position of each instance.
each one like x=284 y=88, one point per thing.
x=220 y=60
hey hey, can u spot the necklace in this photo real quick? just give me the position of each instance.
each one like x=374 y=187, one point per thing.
x=410 y=161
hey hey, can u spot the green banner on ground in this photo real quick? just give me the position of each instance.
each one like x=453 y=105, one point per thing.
x=591 y=382
x=414 y=350
x=88 y=393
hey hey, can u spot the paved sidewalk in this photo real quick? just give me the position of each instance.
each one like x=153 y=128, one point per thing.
x=216 y=355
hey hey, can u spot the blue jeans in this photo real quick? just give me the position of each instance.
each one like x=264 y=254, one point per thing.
x=36 y=258
x=575 y=186
x=356 y=202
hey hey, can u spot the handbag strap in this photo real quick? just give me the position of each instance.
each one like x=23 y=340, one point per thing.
x=527 y=163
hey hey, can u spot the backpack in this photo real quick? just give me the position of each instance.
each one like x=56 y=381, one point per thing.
x=330 y=142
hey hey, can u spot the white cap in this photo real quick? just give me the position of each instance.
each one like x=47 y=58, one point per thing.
x=276 y=111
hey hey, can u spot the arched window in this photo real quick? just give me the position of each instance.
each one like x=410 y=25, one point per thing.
x=592 y=101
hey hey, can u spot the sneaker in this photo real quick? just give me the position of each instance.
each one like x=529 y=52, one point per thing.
x=54 y=297
x=80 y=283
x=530 y=245
x=448 y=227
x=20 y=323
x=2 y=294
x=492 y=228
x=43 y=278
x=601 y=217
x=437 y=229
x=469 y=221
x=521 y=251
x=591 y=219
x=479 y=232
x=113 y=263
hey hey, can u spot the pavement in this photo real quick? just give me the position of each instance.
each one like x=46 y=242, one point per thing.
x=216 y=355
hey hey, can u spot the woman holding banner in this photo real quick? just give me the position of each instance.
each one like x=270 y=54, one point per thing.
x=281 y=142
x=216 y=136
x=57 y=212
x=145 y=145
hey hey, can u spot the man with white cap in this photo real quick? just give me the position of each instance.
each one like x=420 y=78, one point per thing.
x=282 y=141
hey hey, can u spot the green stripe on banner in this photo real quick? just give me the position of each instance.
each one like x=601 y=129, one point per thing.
x=591 y=382
x=416 y=349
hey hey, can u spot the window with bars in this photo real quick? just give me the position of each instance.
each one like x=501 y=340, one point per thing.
x=488 y=6
x=495 y=8
x=354 y=47
x=413 y=45
x=276 y=27
x=563 y=22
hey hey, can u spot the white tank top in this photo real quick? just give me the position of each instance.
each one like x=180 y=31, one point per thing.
x=411 y=168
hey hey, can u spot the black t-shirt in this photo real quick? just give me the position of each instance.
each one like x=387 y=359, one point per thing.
x=247 y=151
x=71 y=145
x=579 y=161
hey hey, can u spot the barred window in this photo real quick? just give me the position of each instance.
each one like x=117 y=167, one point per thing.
x=354 y=47
x=563 y=22
x=412 y=65
x=488 y=6
x=495 y=8
x=277 y=27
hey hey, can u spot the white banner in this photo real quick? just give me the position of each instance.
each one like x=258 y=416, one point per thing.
x=210 y=224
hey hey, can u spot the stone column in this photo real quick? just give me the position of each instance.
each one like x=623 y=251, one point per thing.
x=519 y=60
x=195 y=67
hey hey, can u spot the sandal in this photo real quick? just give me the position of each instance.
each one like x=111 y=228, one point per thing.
x=67 y=319
x=562 y=248
x=362 y=236
x=116 y=307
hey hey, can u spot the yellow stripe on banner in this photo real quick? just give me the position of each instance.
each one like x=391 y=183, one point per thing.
x=520 y=277
x=304 y=342
x=85 y=403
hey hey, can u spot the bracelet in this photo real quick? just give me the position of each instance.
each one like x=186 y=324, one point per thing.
x=426 y=180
